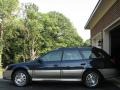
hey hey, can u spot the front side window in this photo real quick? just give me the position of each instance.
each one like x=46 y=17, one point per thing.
x=53 y=56
x=71 y=55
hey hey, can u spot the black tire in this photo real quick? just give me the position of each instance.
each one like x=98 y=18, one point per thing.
x=91 y=79
x=17 y=80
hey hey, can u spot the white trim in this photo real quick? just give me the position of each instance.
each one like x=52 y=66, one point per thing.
x=107 y=28
x=106 y=36
x=106 y=41
x=111 y=24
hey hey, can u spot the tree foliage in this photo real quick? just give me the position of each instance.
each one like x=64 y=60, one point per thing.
x=87 y=43
x=36 y=33
x=7 y=9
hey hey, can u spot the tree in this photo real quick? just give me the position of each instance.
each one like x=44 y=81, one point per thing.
x=34 y=27
x=35 y=34
x=60 y=32
x=87 y=43
x=7 y=8
x=14 y=38
x=25 y=33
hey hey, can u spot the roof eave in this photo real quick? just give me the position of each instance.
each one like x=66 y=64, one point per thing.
x=87 y=26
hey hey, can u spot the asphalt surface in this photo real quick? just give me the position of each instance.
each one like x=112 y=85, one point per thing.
x=47 y=85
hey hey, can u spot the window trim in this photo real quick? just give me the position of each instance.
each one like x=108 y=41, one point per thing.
x=72 y=50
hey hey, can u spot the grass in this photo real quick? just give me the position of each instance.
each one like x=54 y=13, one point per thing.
x=1 y=72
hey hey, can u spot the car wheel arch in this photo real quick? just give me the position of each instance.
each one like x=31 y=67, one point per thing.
x=19 y=69
x=95 y=70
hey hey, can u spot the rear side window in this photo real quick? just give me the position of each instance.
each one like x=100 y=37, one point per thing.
x=95 y=53
x=87 y=54
x=71 y=55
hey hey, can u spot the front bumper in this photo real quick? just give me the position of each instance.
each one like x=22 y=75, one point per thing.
x=7 y=74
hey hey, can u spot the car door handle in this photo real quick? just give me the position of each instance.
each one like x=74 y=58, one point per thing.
x=82 y=63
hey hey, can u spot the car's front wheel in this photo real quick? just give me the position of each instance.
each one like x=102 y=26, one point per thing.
x=92 y=79
x=20 y=78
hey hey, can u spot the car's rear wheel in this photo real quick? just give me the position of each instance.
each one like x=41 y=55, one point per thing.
x=20 y=78
x=92 y=79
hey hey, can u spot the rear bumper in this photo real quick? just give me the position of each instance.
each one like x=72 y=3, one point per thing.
x=7 y=74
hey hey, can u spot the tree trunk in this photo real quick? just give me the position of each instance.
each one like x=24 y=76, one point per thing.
x=32 y=51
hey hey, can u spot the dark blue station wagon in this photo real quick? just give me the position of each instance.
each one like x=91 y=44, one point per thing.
x=87 y=64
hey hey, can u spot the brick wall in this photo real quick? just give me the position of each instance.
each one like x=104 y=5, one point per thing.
x=112 y=14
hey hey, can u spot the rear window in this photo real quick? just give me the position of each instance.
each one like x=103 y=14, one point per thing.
x=99 y=53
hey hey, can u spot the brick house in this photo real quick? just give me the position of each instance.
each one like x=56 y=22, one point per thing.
x=104 y=25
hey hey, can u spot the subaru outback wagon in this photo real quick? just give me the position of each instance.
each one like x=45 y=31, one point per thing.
x=87 y=64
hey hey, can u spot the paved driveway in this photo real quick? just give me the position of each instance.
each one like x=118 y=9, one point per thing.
x=6 y=85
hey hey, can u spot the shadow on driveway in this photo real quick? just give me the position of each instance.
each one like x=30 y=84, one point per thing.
x=47 y=85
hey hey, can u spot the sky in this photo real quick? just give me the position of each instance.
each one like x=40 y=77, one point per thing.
x=78 y=11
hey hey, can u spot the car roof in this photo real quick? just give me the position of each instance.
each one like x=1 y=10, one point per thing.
x=72 y=48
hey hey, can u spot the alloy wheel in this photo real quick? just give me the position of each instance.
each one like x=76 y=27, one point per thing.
x=92 y=79
x=20 y=79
